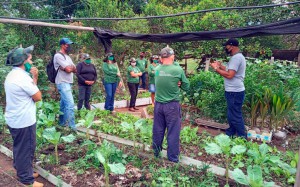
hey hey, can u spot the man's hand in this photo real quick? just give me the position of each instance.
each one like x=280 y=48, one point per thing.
x=34 y=71
x=74 y=70
x=214 y=65
x=120 y=84
x=179 y=83
x=89 y=82
x=140 y=74
x=68 y=69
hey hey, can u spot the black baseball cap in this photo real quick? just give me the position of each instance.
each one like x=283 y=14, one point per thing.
x=231 y=41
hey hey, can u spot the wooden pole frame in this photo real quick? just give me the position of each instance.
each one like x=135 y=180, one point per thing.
x=43 y=24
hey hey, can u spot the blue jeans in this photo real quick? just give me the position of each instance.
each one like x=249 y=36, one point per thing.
x=234 y=114
x=110 y=89
x=152 y=88
x=66 y=105
x=143 y=78
x=167 y=116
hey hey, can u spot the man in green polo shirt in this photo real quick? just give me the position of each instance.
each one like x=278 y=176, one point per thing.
x=167 y=106
x=141 y=63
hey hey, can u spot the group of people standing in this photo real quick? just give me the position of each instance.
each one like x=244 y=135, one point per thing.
x=165 y=81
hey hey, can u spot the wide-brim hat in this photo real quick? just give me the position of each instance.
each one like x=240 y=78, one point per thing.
x=18 y=55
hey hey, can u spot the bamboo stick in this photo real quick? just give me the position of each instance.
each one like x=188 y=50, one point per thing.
x=43 y=24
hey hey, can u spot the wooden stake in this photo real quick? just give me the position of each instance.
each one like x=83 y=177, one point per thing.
x=297 y=183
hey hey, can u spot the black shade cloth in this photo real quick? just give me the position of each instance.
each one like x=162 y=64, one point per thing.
x=291 y=26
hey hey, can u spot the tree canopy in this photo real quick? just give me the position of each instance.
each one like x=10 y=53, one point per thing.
x=46 y=39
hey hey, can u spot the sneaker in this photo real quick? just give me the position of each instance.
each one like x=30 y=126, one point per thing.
x=36 y=184
x=135 y=108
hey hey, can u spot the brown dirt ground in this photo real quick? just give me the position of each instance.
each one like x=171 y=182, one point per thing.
x=8 y=176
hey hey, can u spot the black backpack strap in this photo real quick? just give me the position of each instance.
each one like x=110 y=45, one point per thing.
x=62 y=55
x=65 y=59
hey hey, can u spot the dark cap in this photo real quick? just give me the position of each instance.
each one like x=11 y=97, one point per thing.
x=84 y=56
x=231 y=41
x=166 y=52
x=65 y=41
x=18 y=55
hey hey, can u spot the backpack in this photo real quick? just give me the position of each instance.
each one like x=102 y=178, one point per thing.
x=50 y=69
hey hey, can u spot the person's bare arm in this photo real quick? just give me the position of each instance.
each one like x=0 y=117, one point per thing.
x=132 y=74
x=37 y=96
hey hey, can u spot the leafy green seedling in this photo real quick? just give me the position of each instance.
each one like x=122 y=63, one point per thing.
x=133 y=129
x=104 y=155
x=54 y=137
x=254 y=178
x=87 y=122
x=224 y=145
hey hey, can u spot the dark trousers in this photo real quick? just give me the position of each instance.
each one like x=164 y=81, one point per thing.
x=84 y=95
x=110 y=89
x=24 y=143
x=133 y=89
x=143 y=79
x=167 y=116
x=234 y=114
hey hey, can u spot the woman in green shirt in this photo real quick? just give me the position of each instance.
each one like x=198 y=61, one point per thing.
x=111 y=80
x=133 y=74
x=154 y=60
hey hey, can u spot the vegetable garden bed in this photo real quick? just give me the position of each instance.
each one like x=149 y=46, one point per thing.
x=79 y=167
x=75 y=158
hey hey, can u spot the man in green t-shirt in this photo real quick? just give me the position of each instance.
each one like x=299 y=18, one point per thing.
x=141 y=63
x=167 y=106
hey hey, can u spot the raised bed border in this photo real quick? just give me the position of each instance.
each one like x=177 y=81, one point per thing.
x=183 y=159
x=45 y=174
x=125 y=103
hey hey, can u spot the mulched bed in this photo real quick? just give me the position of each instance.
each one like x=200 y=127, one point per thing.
x=94 y=177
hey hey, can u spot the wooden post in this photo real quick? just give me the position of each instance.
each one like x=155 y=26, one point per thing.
x=207 y=64
x=297 y=183
x=299 y=59
x=185 y=62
